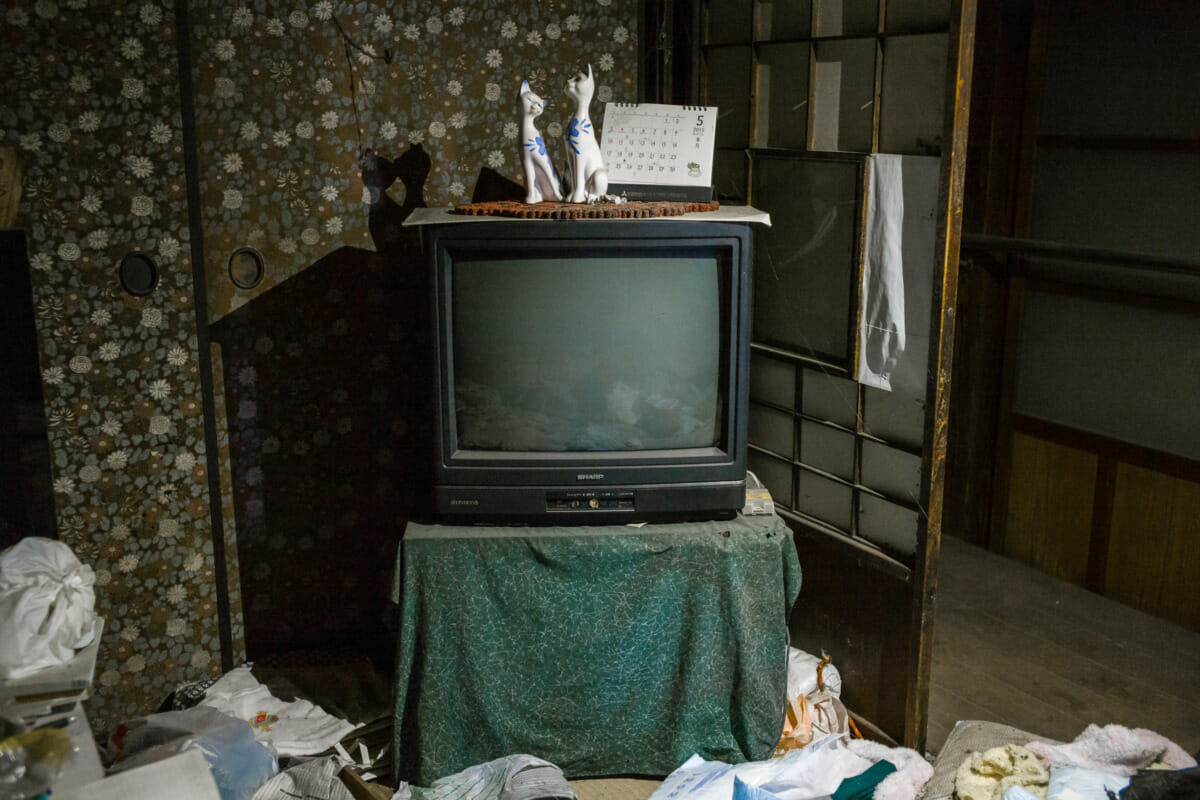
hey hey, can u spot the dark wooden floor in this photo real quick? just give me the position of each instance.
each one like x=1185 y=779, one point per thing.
x=1016 y=646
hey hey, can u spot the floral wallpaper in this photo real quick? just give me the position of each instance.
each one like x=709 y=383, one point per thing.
x=90 y=98
x=321 y=380
x=286 y=98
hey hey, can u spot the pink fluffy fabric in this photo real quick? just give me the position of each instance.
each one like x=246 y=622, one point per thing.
x=911 y=775
x=1115 y=749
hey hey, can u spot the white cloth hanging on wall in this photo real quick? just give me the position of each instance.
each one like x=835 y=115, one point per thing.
x=897 y=286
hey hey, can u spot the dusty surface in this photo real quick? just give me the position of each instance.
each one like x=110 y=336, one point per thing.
x=552 y=210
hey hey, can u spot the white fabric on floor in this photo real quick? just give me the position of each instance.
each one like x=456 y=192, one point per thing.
x=813 y=771
x=486 y=781
x=912 y=770
x=312 y=780
x=298 y=728
x=1115 y=749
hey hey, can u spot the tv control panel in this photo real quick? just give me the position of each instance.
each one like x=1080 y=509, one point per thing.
x=590 y=500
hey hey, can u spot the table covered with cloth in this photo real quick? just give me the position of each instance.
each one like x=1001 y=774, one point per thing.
x=605 y=650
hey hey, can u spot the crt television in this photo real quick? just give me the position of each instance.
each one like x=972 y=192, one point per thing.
x=589 y=371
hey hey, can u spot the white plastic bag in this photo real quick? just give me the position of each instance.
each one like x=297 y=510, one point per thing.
x=47 y=606
x=802 y=674
x=810 y=772
x=814 y=709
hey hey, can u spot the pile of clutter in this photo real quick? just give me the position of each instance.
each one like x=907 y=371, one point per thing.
x=49 y=637
x=1100 y=764
x=816 y=758
x=228 y=739
x=233 y=738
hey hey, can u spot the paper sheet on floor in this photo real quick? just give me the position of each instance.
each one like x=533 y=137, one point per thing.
x=185 y=776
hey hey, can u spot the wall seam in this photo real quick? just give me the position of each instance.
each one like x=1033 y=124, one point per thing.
x=203 y=340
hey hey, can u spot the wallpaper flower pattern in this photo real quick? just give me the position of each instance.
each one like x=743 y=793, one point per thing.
x=91 y=99
x=286 y=98
x=321 y=383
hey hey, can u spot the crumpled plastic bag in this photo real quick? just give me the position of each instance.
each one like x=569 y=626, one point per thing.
x=31 y=762
x=47 y=606
x=828 y=715
x=238 y=762
x=1072 y=783
x=807 y=673
x=813 y=771
x=814 y=714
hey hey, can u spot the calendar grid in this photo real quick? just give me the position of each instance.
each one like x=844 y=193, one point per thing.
x=655 y=151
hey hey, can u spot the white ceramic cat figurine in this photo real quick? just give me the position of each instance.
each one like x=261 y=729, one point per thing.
x=586 y=175
x=541 y=178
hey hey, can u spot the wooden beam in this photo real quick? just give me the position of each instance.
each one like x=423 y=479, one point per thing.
x=1108 y=447
x=961 y=60
x=1035 y=81
x=1001 y=474
x=1102 y=506
x=1120 y=143
x=1060 y=251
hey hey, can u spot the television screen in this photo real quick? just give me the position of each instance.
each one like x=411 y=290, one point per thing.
x=589 y=371
x=613 y=353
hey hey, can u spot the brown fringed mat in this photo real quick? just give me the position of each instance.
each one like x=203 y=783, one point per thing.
x=630 y=210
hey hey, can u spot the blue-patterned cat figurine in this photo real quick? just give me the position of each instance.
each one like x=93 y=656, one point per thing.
x=541 y=178
x=586 y=175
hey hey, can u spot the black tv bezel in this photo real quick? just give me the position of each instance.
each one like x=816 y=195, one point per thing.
x=513 y=487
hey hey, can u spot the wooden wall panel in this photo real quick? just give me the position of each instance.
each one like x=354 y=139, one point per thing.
x=1050 y=499
x=975 y=400
x=858 y=613
x=1154 y=544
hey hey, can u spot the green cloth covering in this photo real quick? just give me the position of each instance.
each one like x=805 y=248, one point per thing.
x=862 y=786
x=604 y=650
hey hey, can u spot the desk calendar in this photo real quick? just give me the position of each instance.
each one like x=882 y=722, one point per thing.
x=659 y=152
